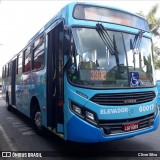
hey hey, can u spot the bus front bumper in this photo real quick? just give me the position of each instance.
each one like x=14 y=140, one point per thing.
x=79 y=130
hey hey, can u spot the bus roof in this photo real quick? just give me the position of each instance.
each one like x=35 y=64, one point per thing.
x=66 y=13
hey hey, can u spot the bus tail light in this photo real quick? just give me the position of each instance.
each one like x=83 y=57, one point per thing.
x=60 y=104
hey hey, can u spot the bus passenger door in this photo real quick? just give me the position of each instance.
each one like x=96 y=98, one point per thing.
x=13 y=79
x=55 y=116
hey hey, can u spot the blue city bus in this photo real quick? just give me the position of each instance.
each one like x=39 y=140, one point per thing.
x=87 y=75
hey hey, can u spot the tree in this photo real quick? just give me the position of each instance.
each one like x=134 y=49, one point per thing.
x=156 y=61
x=154 y=24
x=153 y=21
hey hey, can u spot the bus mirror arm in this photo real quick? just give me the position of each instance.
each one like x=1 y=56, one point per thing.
x=131 y=44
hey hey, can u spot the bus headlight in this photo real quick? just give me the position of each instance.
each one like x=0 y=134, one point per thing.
x=90 y=116
x=83 y=113
x=77 y=109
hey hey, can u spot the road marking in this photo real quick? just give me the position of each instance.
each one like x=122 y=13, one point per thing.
x=10 y=118
x=16 y=122
x=21 y=127
x=18 y=125
x=24 y=129
x=28 y=133
x=8 y=143
x=7 y=139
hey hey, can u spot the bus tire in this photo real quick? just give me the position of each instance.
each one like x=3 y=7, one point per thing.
x=9 y=107
x=37 y=122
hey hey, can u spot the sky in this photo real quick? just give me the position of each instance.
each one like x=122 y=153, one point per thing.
x=21 y=19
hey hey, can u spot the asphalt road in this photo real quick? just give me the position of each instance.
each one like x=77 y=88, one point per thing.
x=16 y=134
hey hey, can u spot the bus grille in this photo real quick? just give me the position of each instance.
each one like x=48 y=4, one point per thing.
x=116 y=126
x=121 y=99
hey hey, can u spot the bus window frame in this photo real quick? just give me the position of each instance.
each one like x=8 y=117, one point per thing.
x=116 y=30
x=42 y=41
x=3 y=72
x=7 y=70
x=17 y=64
x=24 y=59
x=18 y=58
x=36 y=50
x=41 y=68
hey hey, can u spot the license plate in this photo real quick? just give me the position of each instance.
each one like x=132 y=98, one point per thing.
x=131 y=126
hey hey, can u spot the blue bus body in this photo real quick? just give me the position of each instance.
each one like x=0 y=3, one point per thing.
x=158 y=86
x=43 y=92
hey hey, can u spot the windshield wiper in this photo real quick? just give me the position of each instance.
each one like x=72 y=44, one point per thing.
x=109 y=43
x=137 y=39
x=105 y=37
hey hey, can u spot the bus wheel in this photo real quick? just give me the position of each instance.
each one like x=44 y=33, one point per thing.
x=9 y=107
x=37 y=122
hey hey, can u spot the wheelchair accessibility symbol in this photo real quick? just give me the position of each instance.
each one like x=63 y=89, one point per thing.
x=134 y=79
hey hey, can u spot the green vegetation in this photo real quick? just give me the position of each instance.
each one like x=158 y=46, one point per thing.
x=154 y=24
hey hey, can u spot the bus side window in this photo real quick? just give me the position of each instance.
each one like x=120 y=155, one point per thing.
x=19 y=63
x=3 y=73
x=38 y=53
x=9 y=69
x=27 y=60
x=6 y=74
x=39 y=60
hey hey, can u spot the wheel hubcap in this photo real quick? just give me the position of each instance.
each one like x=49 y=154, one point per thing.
x=38 y=119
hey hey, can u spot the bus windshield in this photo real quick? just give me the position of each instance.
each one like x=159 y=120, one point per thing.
x=95 y=64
